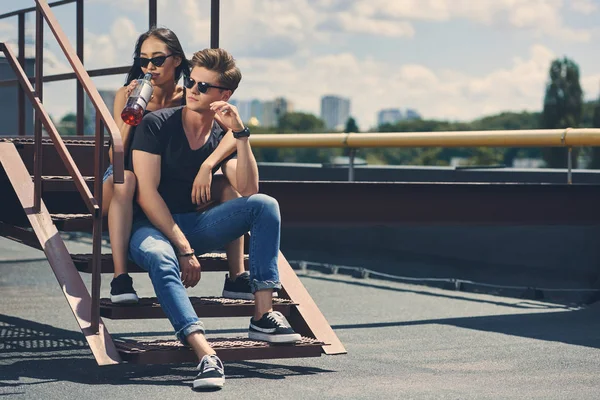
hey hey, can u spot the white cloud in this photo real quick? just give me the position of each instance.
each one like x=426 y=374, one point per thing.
x=373 y=85
x=347 y=22
x=543 y=17
x=583 y=6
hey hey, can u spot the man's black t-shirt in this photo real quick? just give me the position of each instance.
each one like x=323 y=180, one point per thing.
x=161 y=132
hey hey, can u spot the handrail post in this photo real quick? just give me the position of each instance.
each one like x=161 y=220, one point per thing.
x=20 y=95
x=39 y=71
x=97 y=230
x=351 y=156
x=570 y=165
x=152 y=14
x=214 y=24
x=80 y=51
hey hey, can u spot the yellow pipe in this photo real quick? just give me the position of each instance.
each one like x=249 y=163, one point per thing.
x=515 y=138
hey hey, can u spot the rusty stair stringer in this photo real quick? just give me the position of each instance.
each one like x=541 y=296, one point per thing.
x=73 y=287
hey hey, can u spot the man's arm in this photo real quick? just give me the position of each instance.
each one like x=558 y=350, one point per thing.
x=147 y=170
x=243 y=172
x=201 y=188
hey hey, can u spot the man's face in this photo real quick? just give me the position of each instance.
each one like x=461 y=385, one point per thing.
x=203 y=92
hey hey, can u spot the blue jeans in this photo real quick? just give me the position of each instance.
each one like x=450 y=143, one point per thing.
x=108 y=173
x=207 y=231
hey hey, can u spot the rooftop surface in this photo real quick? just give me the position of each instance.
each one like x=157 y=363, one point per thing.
x=403 y=341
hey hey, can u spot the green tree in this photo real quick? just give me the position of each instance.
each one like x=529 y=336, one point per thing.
x=351 y=126
x=295 y=122
x=595 y=162
x=563 y=104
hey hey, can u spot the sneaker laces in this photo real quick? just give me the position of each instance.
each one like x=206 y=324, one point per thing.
x=210 y=363
x=278 y=319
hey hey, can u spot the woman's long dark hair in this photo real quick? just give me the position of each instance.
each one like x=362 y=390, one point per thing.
x=169 y=38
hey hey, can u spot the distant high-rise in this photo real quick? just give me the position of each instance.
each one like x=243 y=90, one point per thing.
x=273 y=110
x=335 y=111
x=90 y=111
x=8 y=100
x=244 y=108
x=389 y=116
x=411 y=114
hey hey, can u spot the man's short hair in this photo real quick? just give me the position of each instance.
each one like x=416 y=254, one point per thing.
x=219 y=60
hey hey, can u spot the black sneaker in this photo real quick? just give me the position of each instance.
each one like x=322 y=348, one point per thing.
x=240 y=287
x=272 y=328
x=211 y=375
x=121 y=290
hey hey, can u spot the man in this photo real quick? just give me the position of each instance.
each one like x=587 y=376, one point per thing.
x=167 y=153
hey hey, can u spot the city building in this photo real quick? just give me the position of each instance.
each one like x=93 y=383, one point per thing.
x=335 y=111
x=389 y=116
x=9 y=100
x=411 y=114
x=90 y=111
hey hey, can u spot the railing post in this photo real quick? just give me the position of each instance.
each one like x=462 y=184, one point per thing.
x=20 y=94
x=570 y=166
x=39 y=71
x=214 y=24
x=351 y=156
x=152 y=14
x=80 y=51
x=97 y=232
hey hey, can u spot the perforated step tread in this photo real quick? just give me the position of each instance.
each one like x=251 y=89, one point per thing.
x=148 y=307
x=228 y=349
x=208 y=261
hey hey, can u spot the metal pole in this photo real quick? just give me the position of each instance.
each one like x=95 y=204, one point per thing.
x=20 y=94
x=351 y=165
x=79 y=39
x=152 y=13
x=97 y=231
x=214 y=23
x=570 y=166
x=39 y=71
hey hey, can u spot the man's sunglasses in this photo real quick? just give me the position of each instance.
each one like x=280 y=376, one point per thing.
x=156 y=61
x=202 y=86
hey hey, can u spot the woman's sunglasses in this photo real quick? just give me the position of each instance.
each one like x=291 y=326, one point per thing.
x=202 y=86
x=156 y=61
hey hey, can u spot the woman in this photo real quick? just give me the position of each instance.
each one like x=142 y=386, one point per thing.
x=159 y=52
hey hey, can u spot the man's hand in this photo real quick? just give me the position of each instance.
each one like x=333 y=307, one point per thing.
x=190 y=270
x=228 y=115
x=201 y=186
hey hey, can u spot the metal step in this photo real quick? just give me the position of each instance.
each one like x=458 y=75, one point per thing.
x=76 y=222
x=205 y=307
x=208 y=261
x=228 y=349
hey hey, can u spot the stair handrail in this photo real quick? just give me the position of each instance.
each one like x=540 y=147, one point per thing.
x=60 y=146
x=89 y=87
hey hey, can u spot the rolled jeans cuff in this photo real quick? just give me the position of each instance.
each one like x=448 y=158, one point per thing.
x=183 y=333
x=262 y=285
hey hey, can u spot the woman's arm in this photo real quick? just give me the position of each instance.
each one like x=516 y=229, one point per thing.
x=124 y=129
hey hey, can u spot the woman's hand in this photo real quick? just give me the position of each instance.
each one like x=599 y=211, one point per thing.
x=201 y=186
x=130 y=88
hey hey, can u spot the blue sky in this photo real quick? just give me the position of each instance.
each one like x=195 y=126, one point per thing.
x=451 y=59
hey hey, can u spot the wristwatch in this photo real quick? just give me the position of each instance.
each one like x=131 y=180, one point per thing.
x=243 y=133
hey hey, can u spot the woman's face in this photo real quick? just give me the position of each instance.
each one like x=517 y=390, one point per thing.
x=153 y=48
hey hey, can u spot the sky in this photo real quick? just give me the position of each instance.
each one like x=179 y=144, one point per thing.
x=448 y=59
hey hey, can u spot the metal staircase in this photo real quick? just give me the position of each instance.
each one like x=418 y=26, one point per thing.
x=62 y=191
